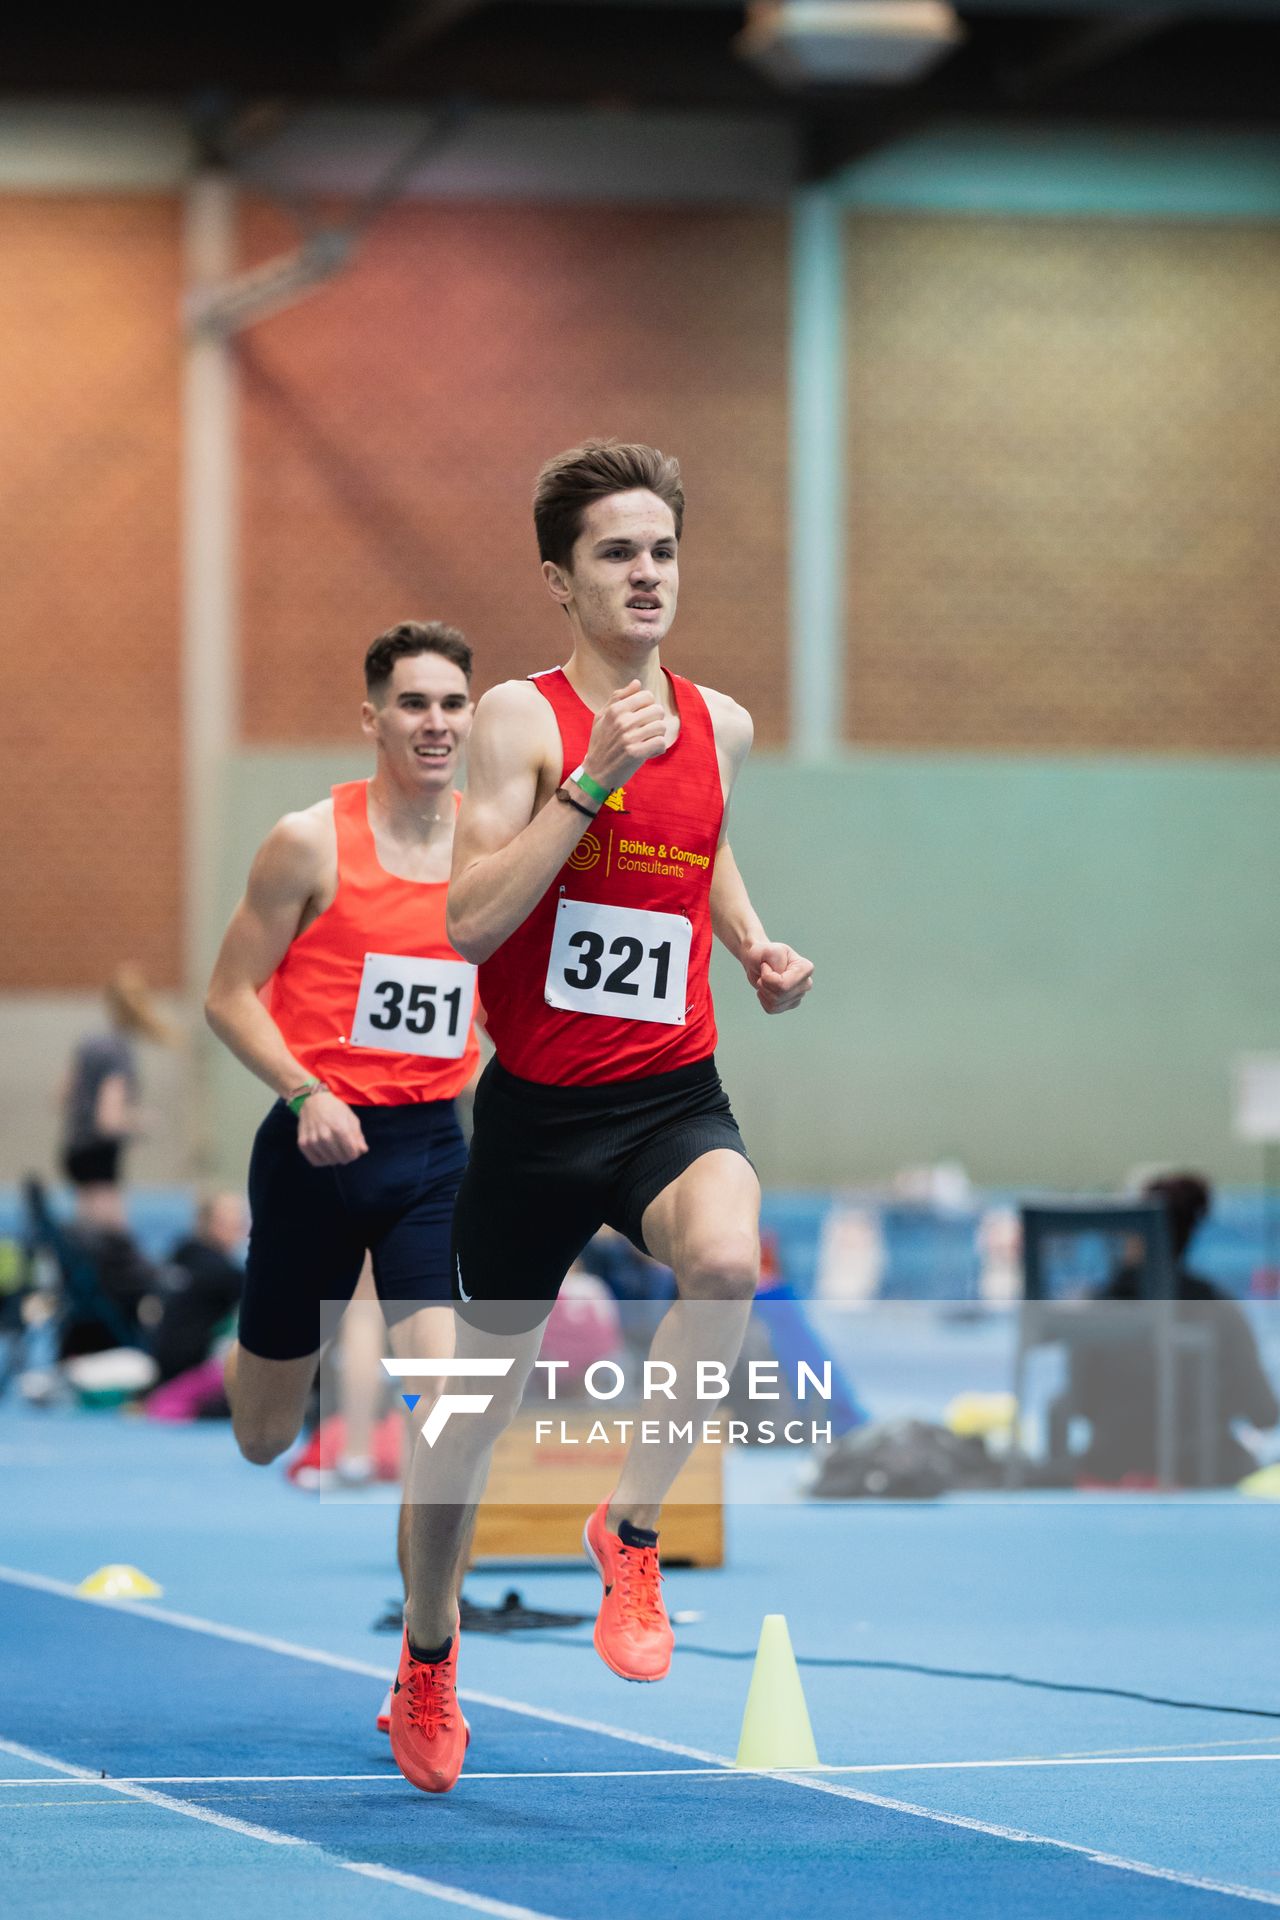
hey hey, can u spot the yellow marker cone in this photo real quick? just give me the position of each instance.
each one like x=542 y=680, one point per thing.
x=982 y=1413
x=1262 y=1485
x=119 y=1583
x=775 y=1726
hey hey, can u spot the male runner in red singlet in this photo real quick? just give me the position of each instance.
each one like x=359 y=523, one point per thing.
x=368 y=1038
x=591 y=867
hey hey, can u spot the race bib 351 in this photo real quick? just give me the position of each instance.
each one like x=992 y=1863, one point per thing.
x=412 y=1005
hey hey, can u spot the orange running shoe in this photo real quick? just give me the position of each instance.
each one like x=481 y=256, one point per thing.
x=633 y=1635
x=384 y=1711
x=429 y=1733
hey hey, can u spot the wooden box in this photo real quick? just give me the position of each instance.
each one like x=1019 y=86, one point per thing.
x=539 y=1496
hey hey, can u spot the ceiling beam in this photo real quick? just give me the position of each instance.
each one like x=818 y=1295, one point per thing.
x=416 y=26
x=1082 y=49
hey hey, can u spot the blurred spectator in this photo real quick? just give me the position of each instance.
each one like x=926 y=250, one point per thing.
x=200 y=1286
x=104 y=1307
x=101 y=1109
x=1113 y=1385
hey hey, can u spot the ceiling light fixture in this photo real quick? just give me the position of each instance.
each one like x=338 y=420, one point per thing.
x=804 y=43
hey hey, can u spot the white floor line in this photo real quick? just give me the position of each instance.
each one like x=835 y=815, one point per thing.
x=414 y=1883
x=791 y=1774
x=83 y=1776
x=1177 y=1746
x=811 y=1782
x=1111 y=1760
x=391 y=1778
x=41 y=1583
x=1019 y=1834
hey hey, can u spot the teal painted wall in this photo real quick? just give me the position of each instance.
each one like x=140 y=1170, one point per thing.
x=967 y=167
x=1043 y=969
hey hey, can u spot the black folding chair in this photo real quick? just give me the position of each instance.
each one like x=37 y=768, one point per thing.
x=83 y=1296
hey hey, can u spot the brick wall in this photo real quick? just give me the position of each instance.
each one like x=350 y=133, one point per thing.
x=1062 y=445
x=393 y=424
x=89 y=717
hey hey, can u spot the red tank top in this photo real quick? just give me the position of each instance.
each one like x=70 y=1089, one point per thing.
x=607 y=978
x=371 y=998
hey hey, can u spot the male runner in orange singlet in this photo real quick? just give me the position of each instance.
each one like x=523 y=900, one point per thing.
x=591 y=867
x=368 y=1038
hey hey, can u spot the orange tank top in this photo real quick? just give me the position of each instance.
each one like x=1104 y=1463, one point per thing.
x=371 y=998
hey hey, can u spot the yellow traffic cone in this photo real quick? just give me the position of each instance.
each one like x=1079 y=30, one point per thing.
x=119 y=1583
x=775 y=1726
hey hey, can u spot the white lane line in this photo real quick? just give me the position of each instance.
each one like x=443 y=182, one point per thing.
x=392 y=1778
x=84 y=1777
x=1175 y=1746
x=1113 y=1760
x=194 y=1779
x=414 y=1883
x=143 y=1609
x=810 y=1782
x=790 y=1774
x=1023 y=1838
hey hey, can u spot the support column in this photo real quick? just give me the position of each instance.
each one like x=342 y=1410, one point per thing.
x=817 y=474
x=210 y=603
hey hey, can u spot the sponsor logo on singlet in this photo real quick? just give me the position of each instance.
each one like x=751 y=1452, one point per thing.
x=585 y=855
x=631 y=853
x=660 y=857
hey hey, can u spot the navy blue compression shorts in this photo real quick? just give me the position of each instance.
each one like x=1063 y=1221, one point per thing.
x=312 y=1226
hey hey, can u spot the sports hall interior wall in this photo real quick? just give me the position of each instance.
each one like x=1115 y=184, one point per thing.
x=1061 y=458
x=394 y=422
x=89 y=589
x=1042 y=923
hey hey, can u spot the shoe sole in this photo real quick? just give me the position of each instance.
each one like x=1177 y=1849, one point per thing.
x=446 y=1786
x=641 y=1679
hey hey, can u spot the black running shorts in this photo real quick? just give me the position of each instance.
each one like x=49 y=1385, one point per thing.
x=93 y=1166
x=311 y=1226
x=550 y=1165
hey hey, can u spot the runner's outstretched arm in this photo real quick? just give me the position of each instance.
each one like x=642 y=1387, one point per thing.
x=506 y=849
x=282 y=881
x=780 y=976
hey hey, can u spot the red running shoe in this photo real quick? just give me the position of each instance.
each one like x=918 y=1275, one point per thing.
x=429 y=1733
x=633 y=1635
x=384 y=1714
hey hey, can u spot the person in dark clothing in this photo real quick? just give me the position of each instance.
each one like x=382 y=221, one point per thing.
x=203 y=1282
x=100 y=1099
x=1113 y=1384
x=111 y=1313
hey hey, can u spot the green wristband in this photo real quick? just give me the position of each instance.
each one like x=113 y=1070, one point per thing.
x=295 y=1100
x=590 y=787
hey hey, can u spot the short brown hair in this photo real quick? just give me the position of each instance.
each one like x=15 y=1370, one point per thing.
x=410 y=637
x=574 y=481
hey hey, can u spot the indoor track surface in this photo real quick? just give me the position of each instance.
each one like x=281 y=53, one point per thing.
x=1024 y=1706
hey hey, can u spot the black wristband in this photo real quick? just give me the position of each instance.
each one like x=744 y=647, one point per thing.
x=563 y=794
